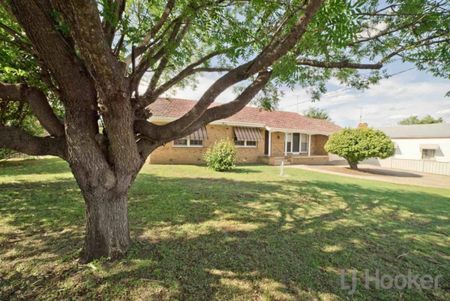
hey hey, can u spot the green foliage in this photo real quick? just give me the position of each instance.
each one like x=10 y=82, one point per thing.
x=19 y=66
x=5 y=153
x=317 y=113
x=359 y=144
x=246 y=27
x=222 y=155
x=416 y=120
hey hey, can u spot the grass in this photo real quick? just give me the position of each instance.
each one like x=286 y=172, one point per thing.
x=243 y=235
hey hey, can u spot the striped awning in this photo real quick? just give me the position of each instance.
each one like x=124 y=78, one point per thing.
x=244 y=133
x=429 y=146
x=199 y=134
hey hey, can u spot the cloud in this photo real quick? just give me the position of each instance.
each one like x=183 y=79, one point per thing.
x=386 y=103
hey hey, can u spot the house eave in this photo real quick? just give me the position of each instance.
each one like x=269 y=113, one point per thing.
x=303 y=131
x=216 y=122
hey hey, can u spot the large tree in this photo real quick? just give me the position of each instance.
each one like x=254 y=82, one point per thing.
x=77 y=66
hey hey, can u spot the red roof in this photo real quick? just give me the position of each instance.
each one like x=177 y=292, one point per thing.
x=175 y=108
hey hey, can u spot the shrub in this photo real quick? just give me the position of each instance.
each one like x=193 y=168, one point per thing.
x=355 y=145
x=5 y=153
x=221 y=156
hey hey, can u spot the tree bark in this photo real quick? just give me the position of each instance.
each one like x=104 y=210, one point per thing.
x=107 y=231
x=353 y=165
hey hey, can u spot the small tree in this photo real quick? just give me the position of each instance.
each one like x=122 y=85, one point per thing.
x=317 y=113
x=355 y=145
x=222 y=156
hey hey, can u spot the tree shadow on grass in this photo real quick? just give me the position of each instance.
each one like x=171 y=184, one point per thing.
x=206 y=239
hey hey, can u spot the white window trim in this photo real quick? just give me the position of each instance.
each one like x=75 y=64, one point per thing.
x=245 y=144
x=286 y=140
x=188 y=143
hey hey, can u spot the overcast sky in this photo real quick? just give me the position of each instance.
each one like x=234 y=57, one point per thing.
x=405 y=94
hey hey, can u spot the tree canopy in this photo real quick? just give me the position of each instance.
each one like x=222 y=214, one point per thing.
x=317 y=113
x=87 y=71
x=356 y=145
x=416 y=120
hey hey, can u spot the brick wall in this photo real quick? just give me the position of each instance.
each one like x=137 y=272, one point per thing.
x=317 y=144
x=194 y=155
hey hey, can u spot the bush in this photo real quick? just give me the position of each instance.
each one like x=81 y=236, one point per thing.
x=222 y=155
x=355 y=145
x=5 y=153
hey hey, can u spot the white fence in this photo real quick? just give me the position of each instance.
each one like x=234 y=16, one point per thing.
x=427 y=166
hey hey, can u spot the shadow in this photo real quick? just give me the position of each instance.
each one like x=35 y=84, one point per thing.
x=389 y=172
x=207 y=239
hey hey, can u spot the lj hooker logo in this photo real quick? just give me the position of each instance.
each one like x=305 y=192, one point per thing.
x=350 y=282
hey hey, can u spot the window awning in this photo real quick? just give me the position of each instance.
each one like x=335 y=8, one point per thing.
x=199 y=134
x=245 y=133
x=429 y=146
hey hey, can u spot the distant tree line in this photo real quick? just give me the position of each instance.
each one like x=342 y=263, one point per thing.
x=416 y=120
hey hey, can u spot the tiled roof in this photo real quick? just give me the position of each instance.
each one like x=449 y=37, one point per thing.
x=175 y=108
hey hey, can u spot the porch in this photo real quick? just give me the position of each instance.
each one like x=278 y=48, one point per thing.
x=294 y=148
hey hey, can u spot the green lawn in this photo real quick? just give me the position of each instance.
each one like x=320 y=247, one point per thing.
x=244 y=235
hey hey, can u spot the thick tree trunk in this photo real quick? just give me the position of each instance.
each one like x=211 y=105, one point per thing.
x=353 y=165
x=107 y=231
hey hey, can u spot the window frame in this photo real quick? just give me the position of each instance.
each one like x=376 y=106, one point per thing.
x=433 y=151
x=245 y=143
x=188 y=143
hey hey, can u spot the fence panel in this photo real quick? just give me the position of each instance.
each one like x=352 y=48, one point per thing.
x=427 y=166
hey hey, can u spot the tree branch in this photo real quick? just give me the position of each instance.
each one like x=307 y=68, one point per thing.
x=86 y=30
x=18 y=140
x=265 y=59
x=38 y=104
x=52 y=48
x=109 y=26
x=155 y=135
x=162 y=54
x=338 y=65
x=155 y=29
x=152 y=94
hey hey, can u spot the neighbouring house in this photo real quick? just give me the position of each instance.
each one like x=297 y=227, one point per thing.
x=420 y=147
x=260 y=136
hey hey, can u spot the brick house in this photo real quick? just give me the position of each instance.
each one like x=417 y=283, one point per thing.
x=260 y=136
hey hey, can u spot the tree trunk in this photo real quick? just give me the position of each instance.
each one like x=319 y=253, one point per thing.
x=353 y=165
x=107 y=231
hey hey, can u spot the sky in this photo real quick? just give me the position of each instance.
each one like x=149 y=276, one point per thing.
x=408 y=93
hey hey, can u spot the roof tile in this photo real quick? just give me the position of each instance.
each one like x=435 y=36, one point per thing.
x=175 y=108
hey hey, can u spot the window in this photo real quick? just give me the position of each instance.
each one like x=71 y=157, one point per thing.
x=304 y=143
x=245 y=143
x=297 y=143
x=289 y=142
x=428 y=154
x=195 y=142
x=185 y=142
x=180 y=142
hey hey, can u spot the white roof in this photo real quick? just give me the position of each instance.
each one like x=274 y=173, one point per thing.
x=436 y=130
